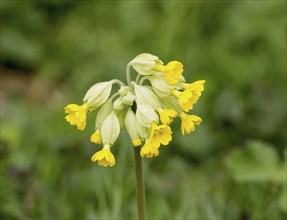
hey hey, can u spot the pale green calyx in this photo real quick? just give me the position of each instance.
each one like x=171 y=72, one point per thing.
x=145 y=114
x=103 y=112
x=160 y=86
x=146 y=96
x=131 y=124
x=110 y=128
x=144 y=63
x=98 y=94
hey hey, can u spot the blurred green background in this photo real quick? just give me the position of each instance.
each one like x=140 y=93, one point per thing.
x=232 y=167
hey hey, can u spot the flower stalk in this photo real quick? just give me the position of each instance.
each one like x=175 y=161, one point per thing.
x=139 y=184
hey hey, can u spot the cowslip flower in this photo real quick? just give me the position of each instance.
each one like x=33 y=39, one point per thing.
x=149 y=150
x=145 y=110
x=77 y=115
x=167 y=115
x=160 y=134
x=109 y=133
x=148 y=64
x=103 y=112
x=190 y=95
x=172 y=71
x=188 y=122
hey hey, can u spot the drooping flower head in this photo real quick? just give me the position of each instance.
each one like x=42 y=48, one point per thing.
x=145 y=110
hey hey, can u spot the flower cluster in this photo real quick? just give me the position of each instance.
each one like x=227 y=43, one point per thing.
x=145 y=107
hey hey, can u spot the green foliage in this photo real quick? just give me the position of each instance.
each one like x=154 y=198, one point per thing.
x=258 y=162
x=53 y=51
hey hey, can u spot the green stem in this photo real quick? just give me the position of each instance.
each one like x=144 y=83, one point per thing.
x=143 y=79
x=139 y=184
x=138 y=78
x=128 y=75
x=113 y=96
x=118 y=82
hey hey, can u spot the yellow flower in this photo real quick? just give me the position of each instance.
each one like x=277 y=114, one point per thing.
x=188 y=122
x=184 y=99
x=187 y=98
x=148 y=150
x=160 y=134
x=167 y=115
x=172 y=71
x=104 y=157
x=96 y=137
x=77 y=115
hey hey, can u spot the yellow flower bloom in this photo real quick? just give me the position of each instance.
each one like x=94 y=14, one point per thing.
x=104 y=157
x=160 y=134
x=96 y=137
x=184 y=99
x=172 y=71
x=188 y=122
x=188 y=97
x=148 y=150
x=77 y=115
x=167 y=115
